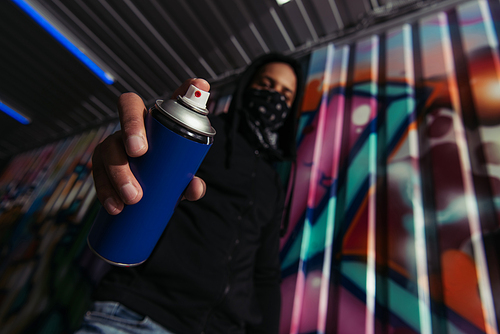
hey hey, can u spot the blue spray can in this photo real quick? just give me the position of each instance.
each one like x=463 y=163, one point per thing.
x=179 y=136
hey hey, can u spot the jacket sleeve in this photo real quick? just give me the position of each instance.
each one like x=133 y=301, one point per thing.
x=267 y=275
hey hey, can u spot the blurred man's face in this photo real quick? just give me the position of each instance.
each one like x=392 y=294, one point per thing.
x=279 y=77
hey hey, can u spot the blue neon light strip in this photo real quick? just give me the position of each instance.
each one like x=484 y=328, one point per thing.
x=64 y=41
x=14 y=114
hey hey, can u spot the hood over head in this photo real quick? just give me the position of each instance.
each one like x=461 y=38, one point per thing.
x=286 y=134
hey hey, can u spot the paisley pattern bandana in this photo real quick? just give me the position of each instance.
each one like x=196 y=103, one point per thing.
x=265 y=112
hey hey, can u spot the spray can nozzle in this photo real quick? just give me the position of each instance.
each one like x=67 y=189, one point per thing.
x=196 y=99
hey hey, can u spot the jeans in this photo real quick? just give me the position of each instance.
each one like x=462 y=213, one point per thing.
x=114 y=318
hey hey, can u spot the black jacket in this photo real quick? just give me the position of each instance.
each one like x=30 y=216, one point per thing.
x=216 y=267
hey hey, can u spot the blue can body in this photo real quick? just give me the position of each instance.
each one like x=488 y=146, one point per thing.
x=163 y=172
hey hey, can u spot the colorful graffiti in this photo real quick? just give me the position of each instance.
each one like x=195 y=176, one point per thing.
x=48 y=202
x=394 y=222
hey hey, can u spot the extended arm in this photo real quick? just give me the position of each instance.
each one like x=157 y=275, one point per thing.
x=114 y=182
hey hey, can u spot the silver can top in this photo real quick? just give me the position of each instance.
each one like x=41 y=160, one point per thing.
x=189 y=111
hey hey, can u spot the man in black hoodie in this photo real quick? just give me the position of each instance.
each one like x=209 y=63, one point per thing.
x=216 y=267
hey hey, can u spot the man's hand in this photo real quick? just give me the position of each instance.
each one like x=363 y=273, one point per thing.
x=114 y=182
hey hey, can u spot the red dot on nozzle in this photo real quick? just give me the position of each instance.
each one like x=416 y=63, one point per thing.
x=197 y=93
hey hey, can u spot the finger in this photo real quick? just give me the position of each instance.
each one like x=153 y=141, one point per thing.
x=195 y=190
x=118 y=170
x=132 y=110
x=105 y=191
x=200 y=83
x=119 y=182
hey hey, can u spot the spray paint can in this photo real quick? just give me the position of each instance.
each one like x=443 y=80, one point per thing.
x=179 y=136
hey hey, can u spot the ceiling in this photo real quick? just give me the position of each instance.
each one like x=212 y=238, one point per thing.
x=148 y=46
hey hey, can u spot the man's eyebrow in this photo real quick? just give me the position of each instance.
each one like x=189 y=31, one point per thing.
x=274 y=81
x=268 y=78
x=288 y=90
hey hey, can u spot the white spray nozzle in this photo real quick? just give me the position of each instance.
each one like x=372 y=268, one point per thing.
x=196 y=97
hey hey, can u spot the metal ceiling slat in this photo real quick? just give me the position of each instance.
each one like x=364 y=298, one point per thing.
x=325 y=16
x=44 y=125
x=80 y=121
x=138 y=48
x=374 y=4
x=307 y=20
x=353 y=11
x=369 y=5
x=253 y=28
x=160 y=39
x=241 y=30
x=222 y=21
x=55 y=16
x=18 y=88
x=60 y=103
x=115 y=91
x=47 y=64
x=154 y=14
x=65 y=127
x=88 y=119
x=46 y=106
x=336 y=13
x=207 y=67
x=294 y=23
x=121 y=63
x=259 y=37
x=102 y=106
x=240 y=49
x=46 y=102
x=266 y=23
x=147 y=50
x=182 y=36
x=282 y=29
x=92 y=110
x=96 y=40
x=200 y=29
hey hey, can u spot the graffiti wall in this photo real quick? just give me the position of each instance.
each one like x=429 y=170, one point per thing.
x=47 y=206
x=395 y=213
x=394 y=224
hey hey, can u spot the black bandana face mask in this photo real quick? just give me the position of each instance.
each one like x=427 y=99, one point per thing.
x=265 y=111
x=267 y=108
